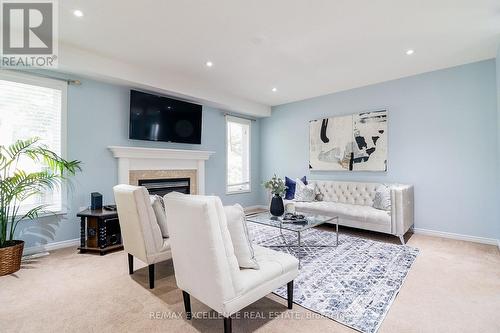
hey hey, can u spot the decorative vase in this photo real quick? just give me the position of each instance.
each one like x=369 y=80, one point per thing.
x=10 y=257
x=277 y=208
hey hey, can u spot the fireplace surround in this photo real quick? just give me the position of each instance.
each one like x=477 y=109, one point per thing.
x=136 y=164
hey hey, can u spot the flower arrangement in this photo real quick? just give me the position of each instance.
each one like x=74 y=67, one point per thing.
x=276 y=185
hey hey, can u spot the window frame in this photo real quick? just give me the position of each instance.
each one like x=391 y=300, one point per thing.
x=59 y=84
x=243 y=121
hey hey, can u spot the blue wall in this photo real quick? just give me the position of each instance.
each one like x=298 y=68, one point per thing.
x=442 y=139
x=98 y=118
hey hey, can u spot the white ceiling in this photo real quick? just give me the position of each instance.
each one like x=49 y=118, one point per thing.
x=304 y=48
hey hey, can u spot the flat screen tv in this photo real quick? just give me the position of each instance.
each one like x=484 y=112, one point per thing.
x=158 y=118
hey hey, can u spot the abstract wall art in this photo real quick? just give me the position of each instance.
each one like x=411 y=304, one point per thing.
x=356 y=142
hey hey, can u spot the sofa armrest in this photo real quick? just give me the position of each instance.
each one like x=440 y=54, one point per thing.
x=402 y=209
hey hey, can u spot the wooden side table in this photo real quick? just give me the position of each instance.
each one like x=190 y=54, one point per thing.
x=99 y=231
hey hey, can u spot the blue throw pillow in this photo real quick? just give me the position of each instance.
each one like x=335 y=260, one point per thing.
x=290 y=183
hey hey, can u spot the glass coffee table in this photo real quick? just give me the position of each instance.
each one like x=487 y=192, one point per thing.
x=311 y=221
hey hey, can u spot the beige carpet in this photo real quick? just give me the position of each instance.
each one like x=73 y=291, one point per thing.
x=453 y=286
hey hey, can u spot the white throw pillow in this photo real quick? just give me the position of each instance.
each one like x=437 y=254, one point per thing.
x=304 y=192
x=237 y=225
x=161 y=217
x=382 y=198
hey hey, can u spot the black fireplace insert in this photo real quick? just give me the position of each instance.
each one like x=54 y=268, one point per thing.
x=164 y=186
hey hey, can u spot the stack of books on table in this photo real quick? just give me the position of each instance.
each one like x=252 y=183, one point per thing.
x=292 y=218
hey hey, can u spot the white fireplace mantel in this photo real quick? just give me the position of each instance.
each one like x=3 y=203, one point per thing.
x=136 y=158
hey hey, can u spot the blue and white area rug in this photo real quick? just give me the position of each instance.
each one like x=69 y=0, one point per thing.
x=354 y=283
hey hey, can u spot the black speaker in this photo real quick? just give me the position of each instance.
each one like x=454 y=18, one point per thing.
x=113 y=239
x=113 y=235
x=95 y=200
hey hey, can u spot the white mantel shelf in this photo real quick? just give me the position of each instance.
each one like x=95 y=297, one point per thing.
x=137 y=158
x=159 y=153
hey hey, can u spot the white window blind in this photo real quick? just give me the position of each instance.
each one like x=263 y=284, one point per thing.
x=238 y=154
x=33 y=107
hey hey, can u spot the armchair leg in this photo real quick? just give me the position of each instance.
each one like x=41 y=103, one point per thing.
x=130 y=264
x=289 y=290
x=227 y=325
x=187 y=304
x=402 y=239
x=151 y=276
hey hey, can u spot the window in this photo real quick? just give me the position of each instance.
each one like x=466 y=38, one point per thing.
x=34 y=107
x=237 y=155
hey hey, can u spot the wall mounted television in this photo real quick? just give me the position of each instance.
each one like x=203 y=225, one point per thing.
x=159 y=118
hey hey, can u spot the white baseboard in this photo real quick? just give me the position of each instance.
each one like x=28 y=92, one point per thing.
x=475 y=239
x=51 y=246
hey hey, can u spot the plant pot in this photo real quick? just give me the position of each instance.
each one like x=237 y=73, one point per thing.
x=277 y=208
x=10 y=257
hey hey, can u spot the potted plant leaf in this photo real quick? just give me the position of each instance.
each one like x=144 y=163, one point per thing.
x=17 y=185
x=277 y=187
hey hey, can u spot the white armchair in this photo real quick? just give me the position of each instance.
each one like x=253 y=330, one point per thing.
x=141 y=233
x=205 y=264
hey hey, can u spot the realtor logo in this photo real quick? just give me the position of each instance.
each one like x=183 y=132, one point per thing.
x=29 y=33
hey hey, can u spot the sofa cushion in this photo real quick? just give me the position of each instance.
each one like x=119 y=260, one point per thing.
x=345 y=211
x=382 y=198
x=290 y=187
x=237 y=226
x=304 y=192
x=161 y=217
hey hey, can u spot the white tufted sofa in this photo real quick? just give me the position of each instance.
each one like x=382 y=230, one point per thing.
x=352 y=202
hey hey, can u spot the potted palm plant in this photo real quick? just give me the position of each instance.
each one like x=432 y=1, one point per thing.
x=17 y=185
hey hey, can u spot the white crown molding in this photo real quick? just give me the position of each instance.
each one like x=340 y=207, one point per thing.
x=160 y=153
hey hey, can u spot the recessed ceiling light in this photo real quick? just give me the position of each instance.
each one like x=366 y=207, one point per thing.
x=410 y=52
x=274 y=90
x=78 y=13
x=209 y=64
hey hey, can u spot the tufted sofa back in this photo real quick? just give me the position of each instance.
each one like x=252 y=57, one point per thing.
x=356 y=193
